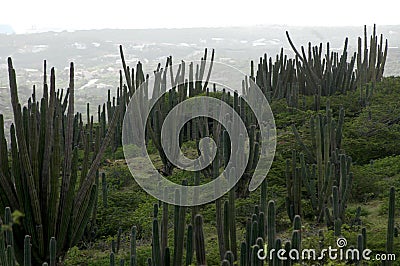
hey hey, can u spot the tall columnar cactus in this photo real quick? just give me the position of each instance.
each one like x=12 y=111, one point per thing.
x=112 y=259
x=7 y=256
x=243 y=254
x=360 y=246
x=296 y=241
x=104 y=189
x=27 y=251
x=45 y=138
x=226 y=224
x=293 y=185
x=311 y=72
x=164 y=226
x=189 y=245
x=371 y=58
x=324 y=164
x=53 y=252
x=166 y=257
x=271 y=230
x=179 y=224
x=132 y=253
x=297 y=224
x=156 y=258
x=232 y=220
x=182 y=87
x=199 y=241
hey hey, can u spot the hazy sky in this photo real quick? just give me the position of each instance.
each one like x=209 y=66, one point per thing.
x=88 y=14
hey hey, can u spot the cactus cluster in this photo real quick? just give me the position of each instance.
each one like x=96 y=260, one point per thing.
x=313 y=73
x=324 y=170
x=45 y=139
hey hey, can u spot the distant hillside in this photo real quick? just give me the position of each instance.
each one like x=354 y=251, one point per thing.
x=6 y=29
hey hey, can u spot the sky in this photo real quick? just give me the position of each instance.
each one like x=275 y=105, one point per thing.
x=42 y=15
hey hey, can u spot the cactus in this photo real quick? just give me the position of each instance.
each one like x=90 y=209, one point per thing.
x=53 y=246
x=156 y=258
x=226 y=225
x=104 y=189
x=166 y=257
x=232 y=220
x=296 y=241
x=288 y=247
x=112 y=259
x=297 y=224
x=254 y=259
x=199 y=241
x=164 y=226
x=118 y=239
x=360 y=245
x=132 y=253
x=177 y=94
x=189 y=245
x=36 y=161
x=293 y=185
x=329 y=166
x=27 y=251
x=243 y=254
x=271 y=230
x=179 y=225
x=229 y=257
x=337 y=227
x=225 y=263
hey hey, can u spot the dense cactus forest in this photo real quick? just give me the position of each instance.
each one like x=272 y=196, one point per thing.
x=67 y=196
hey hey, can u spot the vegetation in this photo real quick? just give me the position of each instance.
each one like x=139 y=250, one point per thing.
x=335 y=174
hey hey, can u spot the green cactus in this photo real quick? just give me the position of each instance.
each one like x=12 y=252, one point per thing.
x=104 y=189
x=27 y=251
x=37 y=156
x=112 y=259
x=226 y=224
x=132 y=253
x=229 y=257
x=296 y=242
x=271 y=229
x=278 y=246
x=254 y=259
x=329 y=166
x=156 y=258
x=53 y=256
x=232 y=216
x=167 y=257
x=288 y=247
x=337 y=227
x=189 y=245
x=297 y=224
x=199 y=241
x=179 y=223
x=164 y=225
x=225 y=263
x=243 y=254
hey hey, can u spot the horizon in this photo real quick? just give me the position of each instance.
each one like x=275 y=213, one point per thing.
x=62 y=30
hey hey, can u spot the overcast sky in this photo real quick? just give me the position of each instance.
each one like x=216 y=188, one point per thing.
x=24 y=15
